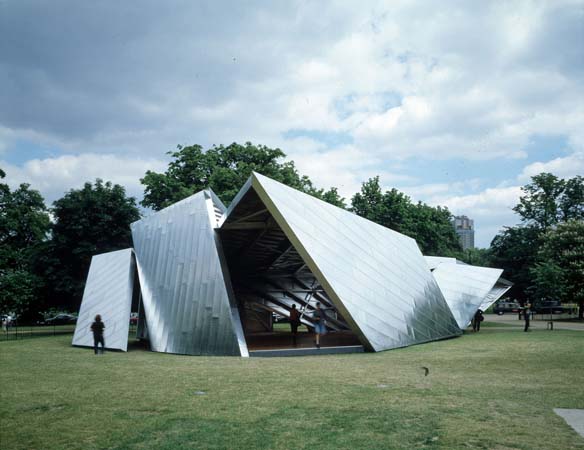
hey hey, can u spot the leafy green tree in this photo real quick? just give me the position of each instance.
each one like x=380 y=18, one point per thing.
x=223 y=169
x=88 y=221
x=24 y=225
x=331 y=196
x=549 y=200
x=548 y=281
x=546 y=203
x=476 y=257
x=392 y=209
x=431 y=227
x=515 y=250
x=559 y=272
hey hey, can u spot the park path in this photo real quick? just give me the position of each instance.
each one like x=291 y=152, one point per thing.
x=511 y=319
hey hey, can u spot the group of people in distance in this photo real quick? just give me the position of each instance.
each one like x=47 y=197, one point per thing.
x=319 y=318
x=478 y=318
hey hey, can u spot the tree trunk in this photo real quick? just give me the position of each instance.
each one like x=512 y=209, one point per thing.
x=581 y=310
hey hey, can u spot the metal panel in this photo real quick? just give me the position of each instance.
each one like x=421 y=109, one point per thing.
x=465 y=288
x=108 y=292
x=496 y=293
x=184 y=291
x=376 y=277
x=435 y=261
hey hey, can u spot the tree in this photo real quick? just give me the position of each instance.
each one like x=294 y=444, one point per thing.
x=431 y=227
x=476 y=257
x=548 y=281
x=223 y=169
x=514 y=250
x=549 y=200
x=560 y=269
x=88 y=221
x=331 y=196
x=24 y=224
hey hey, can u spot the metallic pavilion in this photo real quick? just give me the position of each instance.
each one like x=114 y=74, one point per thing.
x=209 y=276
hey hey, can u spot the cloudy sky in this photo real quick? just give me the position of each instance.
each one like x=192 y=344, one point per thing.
x=455 y=103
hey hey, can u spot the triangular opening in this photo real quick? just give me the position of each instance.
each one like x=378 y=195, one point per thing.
x=269 y=276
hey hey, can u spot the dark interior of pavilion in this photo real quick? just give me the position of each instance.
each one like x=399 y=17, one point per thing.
x=268 y=276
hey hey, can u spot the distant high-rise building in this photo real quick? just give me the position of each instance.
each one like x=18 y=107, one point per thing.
x=464 y=228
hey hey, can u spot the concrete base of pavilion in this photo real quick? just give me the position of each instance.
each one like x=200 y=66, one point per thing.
x=282 y=344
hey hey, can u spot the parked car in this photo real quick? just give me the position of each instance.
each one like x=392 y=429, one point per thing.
x=61 y=319
x=549 y=307
x=506 y=307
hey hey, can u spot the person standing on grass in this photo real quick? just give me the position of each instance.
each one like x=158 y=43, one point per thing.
x=526 y=314
x=97 y=328
x=294 y=323
x=477 y=319
x=320 y=327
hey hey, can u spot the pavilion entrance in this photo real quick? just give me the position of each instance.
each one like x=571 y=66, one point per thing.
x=268 y=277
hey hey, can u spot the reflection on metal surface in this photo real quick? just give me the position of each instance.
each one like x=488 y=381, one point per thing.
x=108 y=292
x=184 y=290
x=376 y=278
x=496 y=293
x=466 y=288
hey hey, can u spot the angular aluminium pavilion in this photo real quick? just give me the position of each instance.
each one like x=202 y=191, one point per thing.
x=467 y=288
x=210 y=279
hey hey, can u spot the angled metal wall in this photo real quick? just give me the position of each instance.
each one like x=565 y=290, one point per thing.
x=496 y=293
x=465 y=287
x=108 y=292
x=376 y=277
x=184 y=288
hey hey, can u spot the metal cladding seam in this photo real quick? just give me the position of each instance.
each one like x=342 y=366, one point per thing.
x=186 y=303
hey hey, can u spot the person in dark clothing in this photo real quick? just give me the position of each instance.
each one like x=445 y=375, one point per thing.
x=97 y=328
x=477 y=319
x=294 y=323
x=320 y=327
x=526 y=316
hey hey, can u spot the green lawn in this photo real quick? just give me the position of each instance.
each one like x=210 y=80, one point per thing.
x=490 y=390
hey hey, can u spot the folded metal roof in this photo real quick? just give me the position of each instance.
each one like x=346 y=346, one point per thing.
x=376 y=277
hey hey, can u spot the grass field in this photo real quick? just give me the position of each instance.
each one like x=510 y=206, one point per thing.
x=491 y=390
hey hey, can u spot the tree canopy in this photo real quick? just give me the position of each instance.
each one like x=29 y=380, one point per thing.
x=88 y=221
x=430 y=226
x=223 y=169
x=536 y=254
x=559 y=271
x=24 y=225
x=549 y=200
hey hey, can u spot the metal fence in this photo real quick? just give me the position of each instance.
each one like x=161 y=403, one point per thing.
x=15 y=331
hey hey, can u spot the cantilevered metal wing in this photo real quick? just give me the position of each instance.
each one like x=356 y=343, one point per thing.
x=108 y=292
x=465 y=287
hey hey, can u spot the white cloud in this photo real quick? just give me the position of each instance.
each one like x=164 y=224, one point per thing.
x=55 y=176
x=491 y=209
x=400 y=81
x=566 y=167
